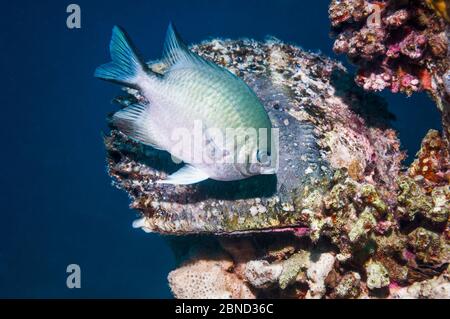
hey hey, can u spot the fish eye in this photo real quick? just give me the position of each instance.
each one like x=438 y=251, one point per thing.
x=263 y=157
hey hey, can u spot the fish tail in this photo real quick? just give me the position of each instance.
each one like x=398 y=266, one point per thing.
x=126 y=67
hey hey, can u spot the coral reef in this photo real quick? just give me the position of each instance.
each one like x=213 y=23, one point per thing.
x=437 y=288
x=398 y=45
x=340 y=220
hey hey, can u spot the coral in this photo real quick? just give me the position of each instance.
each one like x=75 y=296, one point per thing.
x=412 y=199
x=432 y=165
x=436 y=288
x=349 y=286
x=428 y=246
x=261 y=274
x=348 y=10
x=382 y=239
x=318 y=271
x=398 y=273
x=377 y=276
x=292 y=267
x=440 y=213
x=397 y=45
x=207 y=279
x=365 y=223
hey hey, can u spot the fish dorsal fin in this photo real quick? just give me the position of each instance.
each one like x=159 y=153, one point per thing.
x=176 y=52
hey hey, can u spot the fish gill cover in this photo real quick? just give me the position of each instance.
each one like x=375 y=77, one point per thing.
x=340 y=219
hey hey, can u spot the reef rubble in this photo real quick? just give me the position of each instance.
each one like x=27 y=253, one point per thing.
x=342 y=219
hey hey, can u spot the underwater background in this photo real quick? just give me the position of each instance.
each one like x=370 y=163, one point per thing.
x=59 y=207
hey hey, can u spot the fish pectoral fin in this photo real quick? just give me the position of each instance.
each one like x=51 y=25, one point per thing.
x=188 y=174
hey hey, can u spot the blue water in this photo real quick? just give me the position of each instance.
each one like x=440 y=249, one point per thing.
x=58 y=205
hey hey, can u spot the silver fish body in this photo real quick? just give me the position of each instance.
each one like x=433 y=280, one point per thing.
x=199 y=112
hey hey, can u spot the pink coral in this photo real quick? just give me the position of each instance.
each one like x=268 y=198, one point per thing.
x=413 y=45
x=397 y=18
x=397 y=45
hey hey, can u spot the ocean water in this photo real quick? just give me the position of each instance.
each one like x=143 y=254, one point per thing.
x=58 y=205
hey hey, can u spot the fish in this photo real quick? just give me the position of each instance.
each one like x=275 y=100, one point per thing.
x=199 y=112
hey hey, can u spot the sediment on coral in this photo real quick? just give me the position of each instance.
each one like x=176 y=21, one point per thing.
x=341 y=219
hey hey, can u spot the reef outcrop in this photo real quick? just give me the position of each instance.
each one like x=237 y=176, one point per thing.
x=342 y=218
